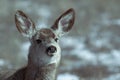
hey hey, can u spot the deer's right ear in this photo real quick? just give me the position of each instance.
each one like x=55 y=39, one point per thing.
x=24 y=24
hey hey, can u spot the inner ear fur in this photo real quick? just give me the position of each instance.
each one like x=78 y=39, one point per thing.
x=56 y=24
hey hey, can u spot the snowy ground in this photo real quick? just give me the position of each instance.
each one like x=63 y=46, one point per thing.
x=109 y=59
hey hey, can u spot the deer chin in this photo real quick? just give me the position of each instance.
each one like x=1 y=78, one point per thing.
x=53 y=61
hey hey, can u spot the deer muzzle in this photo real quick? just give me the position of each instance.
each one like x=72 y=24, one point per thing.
x=51 y=50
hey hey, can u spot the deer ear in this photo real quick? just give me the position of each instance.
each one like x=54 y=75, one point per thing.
x=24 y=24
x=65 y=22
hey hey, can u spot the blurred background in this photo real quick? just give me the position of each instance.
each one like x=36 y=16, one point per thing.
x=91 y=50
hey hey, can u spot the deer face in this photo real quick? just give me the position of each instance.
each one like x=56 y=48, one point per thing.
x=47 y=38
x=44 y=49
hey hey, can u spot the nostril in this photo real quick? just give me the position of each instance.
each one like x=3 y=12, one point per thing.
x=51 y=50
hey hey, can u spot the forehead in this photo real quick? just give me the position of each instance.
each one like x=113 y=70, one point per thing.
x=45 y=33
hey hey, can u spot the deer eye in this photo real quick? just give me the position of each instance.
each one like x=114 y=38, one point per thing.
x=39 y=41
x=56 y=39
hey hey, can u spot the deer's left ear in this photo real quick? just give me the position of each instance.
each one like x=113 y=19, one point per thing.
x=65 y=22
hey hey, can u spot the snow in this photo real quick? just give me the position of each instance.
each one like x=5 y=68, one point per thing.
x=113 y=77
x=85 y=55
x=24 y=49
x=2 y=62
x=44 y=11
x=116 y=22
x=67 y=76
x=74 y=42
x=25 y=5
x=100 y=43
x=79 y=49
x=41 y=24
x=108 y=59
x=105 y=18
x=107 y=21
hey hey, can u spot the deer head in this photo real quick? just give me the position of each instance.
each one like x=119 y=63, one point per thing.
x=44 y=49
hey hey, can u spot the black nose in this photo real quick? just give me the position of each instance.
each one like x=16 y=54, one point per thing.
x=51 y=50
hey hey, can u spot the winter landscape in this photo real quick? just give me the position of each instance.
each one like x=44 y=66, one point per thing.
x=91 y=51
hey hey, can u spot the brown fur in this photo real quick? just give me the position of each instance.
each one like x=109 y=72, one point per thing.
x=45 y=33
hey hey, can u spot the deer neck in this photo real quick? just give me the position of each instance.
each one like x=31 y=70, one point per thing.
x=40 y=73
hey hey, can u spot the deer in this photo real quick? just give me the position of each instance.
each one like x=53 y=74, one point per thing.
x=44 y=52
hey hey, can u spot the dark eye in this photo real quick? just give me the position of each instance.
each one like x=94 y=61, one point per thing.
x=38 y=41
x=56 y=39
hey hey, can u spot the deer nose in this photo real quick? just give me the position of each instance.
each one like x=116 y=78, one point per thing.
x=51 y=50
